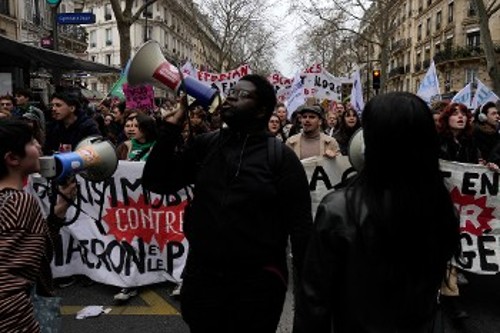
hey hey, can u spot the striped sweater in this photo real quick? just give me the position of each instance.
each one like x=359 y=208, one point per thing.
x=25 y=254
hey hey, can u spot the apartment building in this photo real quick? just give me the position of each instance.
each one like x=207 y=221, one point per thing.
x=178 y=26
x=444 y=30
x=28 y=25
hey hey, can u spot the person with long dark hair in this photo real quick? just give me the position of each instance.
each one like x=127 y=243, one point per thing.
x=381 y=245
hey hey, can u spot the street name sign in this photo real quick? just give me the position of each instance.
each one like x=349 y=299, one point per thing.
x=75 y=18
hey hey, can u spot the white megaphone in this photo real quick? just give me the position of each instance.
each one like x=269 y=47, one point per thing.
x=150 y=66
x=94 y=159
x=356 y=150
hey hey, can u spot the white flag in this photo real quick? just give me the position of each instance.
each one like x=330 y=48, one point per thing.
x=483 y=95
x=429 y=87
x=464 y=96
x=189 y=69
x=296 y=97
x=357 y=93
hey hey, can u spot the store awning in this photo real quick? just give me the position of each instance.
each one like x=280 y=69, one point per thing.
x=19 y=54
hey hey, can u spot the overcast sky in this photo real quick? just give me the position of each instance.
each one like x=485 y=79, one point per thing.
x=284 y=53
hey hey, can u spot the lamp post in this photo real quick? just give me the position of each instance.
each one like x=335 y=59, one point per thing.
x=54 y=6
x=367 y=72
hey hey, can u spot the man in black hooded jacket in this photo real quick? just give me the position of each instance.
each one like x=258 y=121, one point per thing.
x=243 y=210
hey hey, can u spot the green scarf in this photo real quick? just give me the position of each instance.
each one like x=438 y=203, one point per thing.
x=140 y=151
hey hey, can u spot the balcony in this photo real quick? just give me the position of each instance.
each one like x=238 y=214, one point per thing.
x=400 y=45
x=461 y=52
x=397 y=71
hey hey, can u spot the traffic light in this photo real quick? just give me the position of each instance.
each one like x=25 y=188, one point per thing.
x=376 y=79
x=53 y=3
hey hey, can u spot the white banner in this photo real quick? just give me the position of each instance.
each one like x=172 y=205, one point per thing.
x=475 y=191
x=120 y=234
x=321 y=84
x=324 y=174
x=224 y=81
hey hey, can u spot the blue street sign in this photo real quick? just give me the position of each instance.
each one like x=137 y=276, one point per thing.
x=75 y=18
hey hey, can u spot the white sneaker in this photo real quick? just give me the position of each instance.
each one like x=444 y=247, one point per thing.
x=177 y=290
x=125 y=294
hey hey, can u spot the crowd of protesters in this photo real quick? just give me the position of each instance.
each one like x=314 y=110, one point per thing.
x=462 y=135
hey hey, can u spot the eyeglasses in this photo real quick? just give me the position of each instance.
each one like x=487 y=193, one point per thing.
x=6 y=104
x=239 y=93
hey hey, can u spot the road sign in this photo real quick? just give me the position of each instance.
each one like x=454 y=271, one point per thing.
x=75 y=18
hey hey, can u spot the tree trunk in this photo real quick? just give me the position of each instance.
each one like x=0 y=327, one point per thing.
x=492 y=66
x=125 y=47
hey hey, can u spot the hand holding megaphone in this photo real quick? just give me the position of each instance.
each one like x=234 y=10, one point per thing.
x=94 y=159
x=178 y=115
x=150 y=66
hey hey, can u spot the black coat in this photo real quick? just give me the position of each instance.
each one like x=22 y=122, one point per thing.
x=465 y=151
x=243 y=208
x=58 y=134
x=347 y=281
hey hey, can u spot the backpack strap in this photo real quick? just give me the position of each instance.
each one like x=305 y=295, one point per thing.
x=274 y=153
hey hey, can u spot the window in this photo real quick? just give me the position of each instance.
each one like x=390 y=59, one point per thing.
x=93 y=86
x=109 y=37
x=107 y=12
x=93 y=38
x=447 y=81
x=449 y=43
x=108 y=59
x=419 y=32
x=470 y=75
x=438 y=20
x=437 y=48
x=473 y=39
x=450 y=12
x=4 y=7
x=472 y=9
x=428 y=27
x=148 y=11
x=93 y=58
x=420 y=6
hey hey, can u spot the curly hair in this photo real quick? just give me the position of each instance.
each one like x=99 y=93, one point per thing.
x=444 y=126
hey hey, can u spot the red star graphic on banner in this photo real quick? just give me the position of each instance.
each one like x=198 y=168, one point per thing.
x=474 y=214
x=141 y=220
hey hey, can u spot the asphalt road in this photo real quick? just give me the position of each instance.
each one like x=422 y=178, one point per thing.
x=154 y=311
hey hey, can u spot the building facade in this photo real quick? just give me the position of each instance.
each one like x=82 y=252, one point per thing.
x=169 y=22
x=446 y=31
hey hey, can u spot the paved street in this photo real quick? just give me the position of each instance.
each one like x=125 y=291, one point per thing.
x=154 y=311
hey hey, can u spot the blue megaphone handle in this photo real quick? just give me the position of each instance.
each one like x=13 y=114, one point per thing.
x=67 y=164
x=202 y=93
